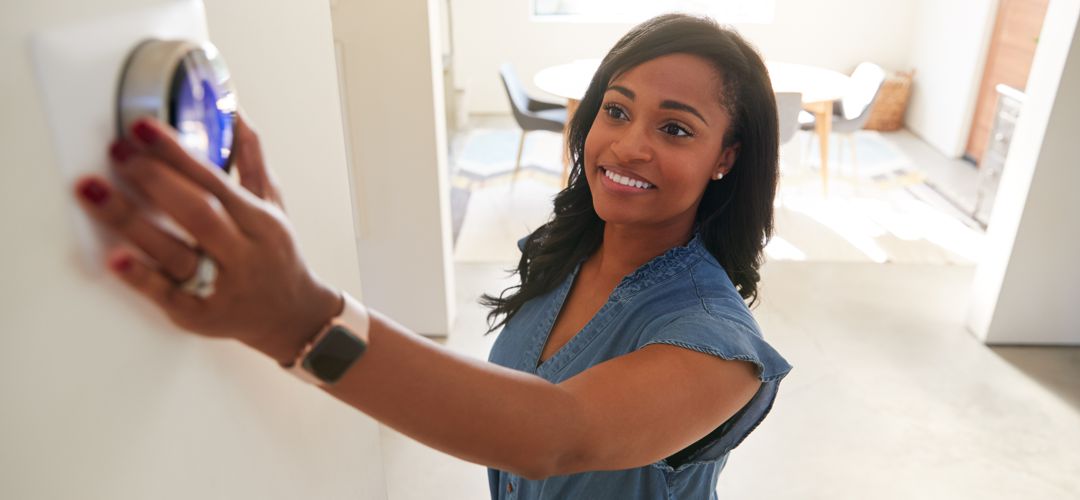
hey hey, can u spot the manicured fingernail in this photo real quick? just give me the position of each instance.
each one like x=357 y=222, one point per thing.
x=94 y=191
x=144 y=132
x=120 y=151
x=121 y=263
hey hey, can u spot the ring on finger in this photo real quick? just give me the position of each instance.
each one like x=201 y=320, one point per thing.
x=201 y=284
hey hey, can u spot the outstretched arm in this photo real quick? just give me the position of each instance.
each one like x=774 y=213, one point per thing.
x=626 y=412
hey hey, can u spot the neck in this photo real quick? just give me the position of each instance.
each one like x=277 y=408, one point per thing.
x=626 y=248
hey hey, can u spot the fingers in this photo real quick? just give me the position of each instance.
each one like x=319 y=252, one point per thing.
x=152 y=284
x=113 y=209
x=155 y=139
x=180 y=198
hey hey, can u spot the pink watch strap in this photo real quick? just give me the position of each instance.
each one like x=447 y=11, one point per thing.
x=354 y=317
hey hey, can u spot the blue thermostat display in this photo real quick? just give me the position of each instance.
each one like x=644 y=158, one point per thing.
x=187 y=86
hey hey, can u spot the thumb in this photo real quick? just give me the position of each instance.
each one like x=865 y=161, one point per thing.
x=249 y=163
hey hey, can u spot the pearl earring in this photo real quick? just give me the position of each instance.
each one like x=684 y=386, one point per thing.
x=719 y=175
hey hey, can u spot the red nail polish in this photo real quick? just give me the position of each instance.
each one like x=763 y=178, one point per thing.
x=145 y=132
x=94 y=192
x=121 y=264
x=120 y=151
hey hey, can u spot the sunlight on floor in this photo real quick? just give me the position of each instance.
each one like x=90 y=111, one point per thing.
x=781 y=249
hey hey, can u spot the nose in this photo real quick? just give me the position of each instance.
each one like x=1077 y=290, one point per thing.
x=632 y=145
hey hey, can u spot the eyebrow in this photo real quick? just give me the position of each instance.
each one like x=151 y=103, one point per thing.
x=666 y=104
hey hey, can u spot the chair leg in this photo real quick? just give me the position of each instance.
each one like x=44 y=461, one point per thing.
x=521 y=147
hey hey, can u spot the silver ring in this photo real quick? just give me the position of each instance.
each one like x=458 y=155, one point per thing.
x=201 y=284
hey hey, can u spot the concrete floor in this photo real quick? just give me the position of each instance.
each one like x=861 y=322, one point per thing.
x=897 y=400
x=890 y=398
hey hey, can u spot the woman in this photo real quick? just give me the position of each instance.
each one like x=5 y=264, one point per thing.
x=629 y=365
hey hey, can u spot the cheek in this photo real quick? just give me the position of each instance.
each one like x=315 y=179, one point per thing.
x=696 y=172
x=593 y=143
x=590 y=149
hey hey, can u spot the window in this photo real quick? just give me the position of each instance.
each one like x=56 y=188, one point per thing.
x=633 y=11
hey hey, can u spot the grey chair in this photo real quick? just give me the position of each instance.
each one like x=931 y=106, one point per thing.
x=531 y=114
x=852 y=111
x=788 y=107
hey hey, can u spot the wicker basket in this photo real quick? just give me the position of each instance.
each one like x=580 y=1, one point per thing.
x=888 y=111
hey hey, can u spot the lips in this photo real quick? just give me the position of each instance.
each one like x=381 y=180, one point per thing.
x=626 y=180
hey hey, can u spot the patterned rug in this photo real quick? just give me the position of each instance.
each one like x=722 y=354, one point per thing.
x=487 y=154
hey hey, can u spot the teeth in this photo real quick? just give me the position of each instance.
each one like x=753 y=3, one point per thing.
x=626 y=181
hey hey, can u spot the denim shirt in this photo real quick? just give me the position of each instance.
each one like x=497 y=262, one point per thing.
x=682 y=298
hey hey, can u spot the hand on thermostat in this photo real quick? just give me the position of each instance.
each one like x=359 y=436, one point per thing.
x=242 y=277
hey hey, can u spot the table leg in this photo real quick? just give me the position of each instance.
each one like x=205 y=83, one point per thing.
x=571 y=108
x=823 y=126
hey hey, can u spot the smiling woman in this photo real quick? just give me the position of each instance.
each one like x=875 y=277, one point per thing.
x=629 y=365
x=707 y=65
x=653 y=249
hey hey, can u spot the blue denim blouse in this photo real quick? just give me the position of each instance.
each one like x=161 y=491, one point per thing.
x=681 y=298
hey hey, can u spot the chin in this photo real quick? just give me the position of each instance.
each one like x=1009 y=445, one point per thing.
x=611 y=214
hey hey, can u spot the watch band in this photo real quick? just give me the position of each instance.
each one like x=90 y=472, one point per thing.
x=353 y=321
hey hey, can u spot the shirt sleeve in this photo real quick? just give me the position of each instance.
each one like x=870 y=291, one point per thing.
x=731 y=338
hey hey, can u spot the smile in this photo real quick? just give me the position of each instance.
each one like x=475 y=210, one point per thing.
x=623 y=180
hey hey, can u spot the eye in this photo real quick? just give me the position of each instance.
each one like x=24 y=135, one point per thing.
x=614 y=111
x=676 y=130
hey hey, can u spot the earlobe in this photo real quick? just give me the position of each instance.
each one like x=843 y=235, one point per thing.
x=727 y=160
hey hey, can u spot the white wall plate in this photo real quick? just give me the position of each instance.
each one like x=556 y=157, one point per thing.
x=78 y=68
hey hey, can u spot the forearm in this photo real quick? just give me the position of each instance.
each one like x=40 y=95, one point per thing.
x=474 y=410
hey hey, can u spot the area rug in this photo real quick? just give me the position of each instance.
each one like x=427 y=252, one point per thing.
x=489 y=153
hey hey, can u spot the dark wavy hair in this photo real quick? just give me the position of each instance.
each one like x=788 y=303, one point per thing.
x=735 y=217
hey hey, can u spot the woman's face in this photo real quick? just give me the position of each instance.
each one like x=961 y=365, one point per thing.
x=657 y=142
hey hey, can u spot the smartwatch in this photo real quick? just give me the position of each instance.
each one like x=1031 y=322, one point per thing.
x=339 y=344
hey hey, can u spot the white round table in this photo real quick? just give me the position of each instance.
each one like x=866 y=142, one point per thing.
x=819 y=88
x=569 y=80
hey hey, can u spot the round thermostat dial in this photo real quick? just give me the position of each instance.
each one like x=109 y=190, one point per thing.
x=186 y=85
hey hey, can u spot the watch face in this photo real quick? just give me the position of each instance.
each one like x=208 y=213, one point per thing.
x=334 y=354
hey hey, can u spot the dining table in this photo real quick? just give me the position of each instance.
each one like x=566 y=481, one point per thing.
x=820 y=89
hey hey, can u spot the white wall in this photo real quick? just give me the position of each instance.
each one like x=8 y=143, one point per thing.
x=948 y=53
x=1027 y=286
x=393 y=86
x=836 y=34
x=101 y=398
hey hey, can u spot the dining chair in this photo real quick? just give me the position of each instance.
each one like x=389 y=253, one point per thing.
x=788 y=106
x=530 y=113
x=852 y=111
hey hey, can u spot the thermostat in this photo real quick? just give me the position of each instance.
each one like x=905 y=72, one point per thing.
x=186 y=85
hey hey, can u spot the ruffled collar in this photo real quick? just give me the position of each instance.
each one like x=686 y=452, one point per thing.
x=662 y=267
